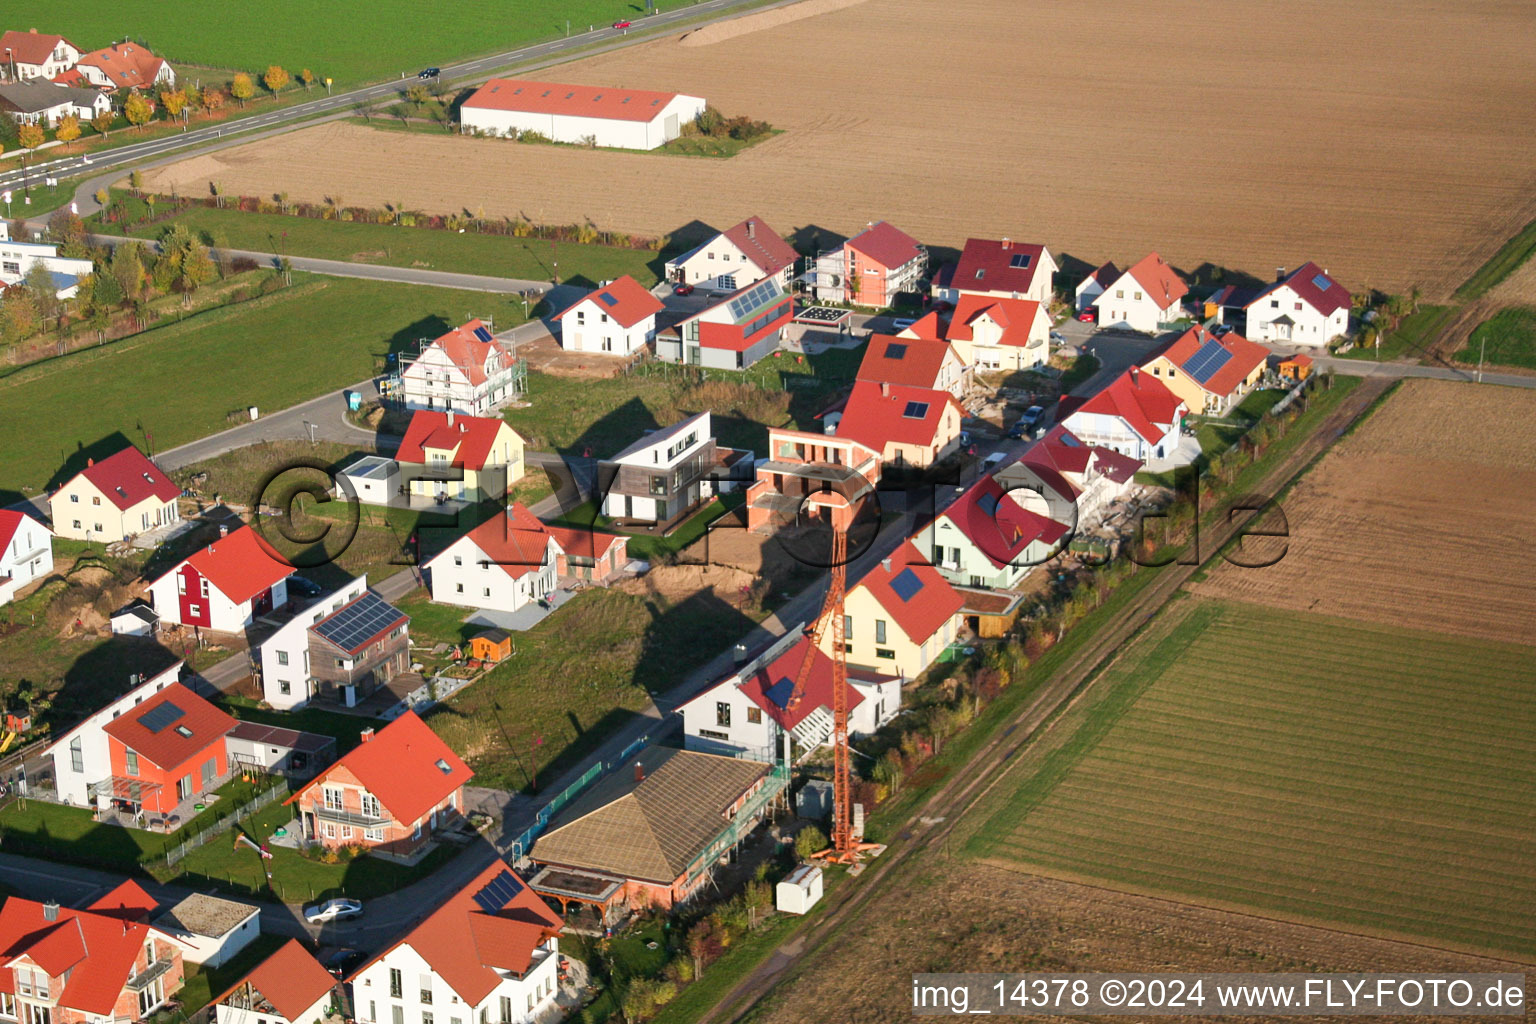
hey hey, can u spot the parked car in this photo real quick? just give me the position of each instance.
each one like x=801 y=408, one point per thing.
x=303 y=586
x=622 y=24
x=902 y=323
x=1027 y=425
x=683 y=289
x=1221 y=330
x=428 y=73
x=332 y=910
x=342 y=962
x=1089 y=315
x=1058 y=337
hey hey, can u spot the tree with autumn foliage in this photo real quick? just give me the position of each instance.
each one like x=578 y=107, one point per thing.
x=307 y=77
x=174 y=101
x=30 y=136
x=242 y=88
x=68 y=129
x=102 y=122
x=211 y=99
x=137 y=110
x=275 y=79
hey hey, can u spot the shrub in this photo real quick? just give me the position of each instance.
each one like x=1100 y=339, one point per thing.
x=810 y=840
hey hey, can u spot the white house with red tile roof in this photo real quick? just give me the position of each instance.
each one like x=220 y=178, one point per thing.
x=899 y=615
x=1092 y=286
x=1304 y=307
x=1210 y=372
x=491 y=951
x=226 y=586
x=738 y=256
x=1063 y=478
x=1002 y=269
x=915 y=362
x=288 y=987
x=618 y=319
x=125 y=65
x=464 y=458
x=991 y=333
x=906 y=425
x=26 y=552
x=501 y=565
x=33 y=54
x=1135 y=415
x=585 y=114
x=80 y=755
x=468 y=369
x=115 y=498
x=988 y=538
x=749 y=712
x=872 y=268
x=731 y=334
x=1143 y=298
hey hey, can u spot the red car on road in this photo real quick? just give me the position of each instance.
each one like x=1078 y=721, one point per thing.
x=622 y=24
x=683 y=289
x=1089 y=315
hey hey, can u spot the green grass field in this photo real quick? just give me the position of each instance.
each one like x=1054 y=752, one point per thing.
x=178 y=383
x=1508 y=338
x=401 y=35
x=1302 y=766
x=1411 y=339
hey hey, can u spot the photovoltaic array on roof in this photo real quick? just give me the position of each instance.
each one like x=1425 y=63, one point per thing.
x=1321 y=282
x=498 y=892
x=915 y=410
x=1019 y=261
x=608 y=298
x=160 y=716
x=483 y=333
x=895 y=350
x=358 y=622
x=780 y=692
x=1210 y=358
x=755 y=298
x=906 y=584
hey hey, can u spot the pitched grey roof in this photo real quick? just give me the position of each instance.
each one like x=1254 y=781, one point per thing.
x=32 y=97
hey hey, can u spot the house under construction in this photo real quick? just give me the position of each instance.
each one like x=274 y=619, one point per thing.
x=467 y=370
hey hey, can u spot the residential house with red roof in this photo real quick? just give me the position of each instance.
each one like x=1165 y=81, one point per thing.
x=915 y=362
x=740 y=255
x=872 y=268
x=1063 y=478
x=1135 y=415
x=226 y=586
x=34 y=54
x=288 y=987
x=807 y=475
x=113 y=499
x=1002 y=269
x=898 y=616
x=617 y=319
x=340 y=649
x=489 y=953
x=908 y=426
x=165 y=752
x=468 y=370
x=580 y=114
x=1210 y=372
x=749 y=712
x=59 y=965
x=125 y=65
x=584 y=553
x=987 y=538
x=501 y=565
x=990 y=333
x=389 y=793
x=1303 y=307
x=448 y=456
x=731 y=334
x=1143 y=298
x=1092 y=286
x=26 y=552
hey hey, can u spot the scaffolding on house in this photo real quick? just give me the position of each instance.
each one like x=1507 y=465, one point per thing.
x=513 y=377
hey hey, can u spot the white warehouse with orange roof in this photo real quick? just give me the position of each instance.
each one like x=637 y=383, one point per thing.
x=618 y=118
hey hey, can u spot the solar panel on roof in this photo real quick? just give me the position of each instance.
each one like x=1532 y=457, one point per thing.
x=1210 y=357
x=1321 y=282
x=895 y=350
x=608 y=299
x=988 y=504
x=1020 y=261
x=498 y=892
x=483 y=333
x=915 y=410
x=160 y=716
x=780 y=692
x=758 y=296
x=906 y=584
x=358 y=622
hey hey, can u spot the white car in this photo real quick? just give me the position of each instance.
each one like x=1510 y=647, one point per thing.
x=332 y=910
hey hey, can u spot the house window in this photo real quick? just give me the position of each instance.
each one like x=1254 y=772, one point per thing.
x=426 y=1018
x=506 y=1010
x=346 y=831
x=131 y=762
x=284 y=686
x=95 y=501
x=210 y=769
x=7 y=1005
x=181 y=581
x=373 y=835
x=396 y=986
x=76 y=755
x=1298 y=307
x=330 y=830
x=755 y=716
x=426 y=991
x=879 y=631
x=397 y=1013
x=885 y=652
x=332 y=797
x=282 y=657
x=722 y=714
x=658 y=486
x=73 y=497
x=458 y=560
x=847 y=625
x=485 y=592
x=1138 y=296
x=458 y=588
x=1119 y=293
x=371 y=806
x=194 y=610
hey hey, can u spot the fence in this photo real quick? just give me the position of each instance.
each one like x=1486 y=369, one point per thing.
x=174 y=854
x=524 y=842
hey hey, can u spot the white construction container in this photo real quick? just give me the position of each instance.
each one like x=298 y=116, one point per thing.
x=800 y=891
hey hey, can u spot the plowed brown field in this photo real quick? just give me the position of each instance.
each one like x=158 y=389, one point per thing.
x=1423 y=517
x=1394 y=141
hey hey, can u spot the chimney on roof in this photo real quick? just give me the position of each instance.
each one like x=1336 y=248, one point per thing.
x=51 y=908
x=1007 y=243
x=223 y=530
x=450 y=416
x=885 y=388
x=639 y=772
x=365 y=735
x=90 y=462
x=1135 y=381
x=885 y=564
x=751 y=228
x=1279 y=274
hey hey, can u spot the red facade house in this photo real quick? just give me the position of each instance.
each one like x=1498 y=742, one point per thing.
x=226 y=586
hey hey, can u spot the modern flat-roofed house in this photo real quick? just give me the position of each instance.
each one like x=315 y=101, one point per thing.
x=1143 y=298
x=226 y=586
x=26 y=552
x=210 y=930
x=114 y=499
x=906 y=425
x=1303 y=307
x=125 y=66
x=1210 y=372
x=502 y=564
x=288 y=987
x=468 y=369
x=618 y=319
x=583 y=114
x=872 y=268
x=1092 y=286
x=748 y=252
x=35 y=101
x=490 y=953
x=390 y=793
x=750 y=712
x=167 y=751
x=802 y=466
x=340 y=649
x=732 y=334
x=34 y=54
x=17 y=259
x=1002 y=269
x=988 y=538
x=446 y=455
x=899 y=616
x=661 y=475
x=990 y=333
x=1135 y=415
x=915 y=362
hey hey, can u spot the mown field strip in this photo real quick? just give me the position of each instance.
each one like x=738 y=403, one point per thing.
x=1314 y=767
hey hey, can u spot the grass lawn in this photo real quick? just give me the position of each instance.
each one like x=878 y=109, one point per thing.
x=470 y=253
x=643 y=545
x=1499 y=266
x=1411 y=339
x=347 y=729
x=181 y=382
x=1302 y=766
x=1508 y=338
x=1083 y=367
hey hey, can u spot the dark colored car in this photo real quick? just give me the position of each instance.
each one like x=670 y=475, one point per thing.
x=622 y=24
x=1027 y=424
x=683 y=289
x=342 y=962
x=426 y=73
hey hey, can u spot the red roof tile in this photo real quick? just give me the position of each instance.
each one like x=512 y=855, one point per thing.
x=470 y=438
x=1246 y=356
x=1142 y=401
x=987 y=266
x=400 y=766
x=772 y=685
x=1159 y=281
x=1016 y=317
x=624 y=299
x=126 y=65
x=103 y=949
x=914 y=362
x=762 y=245
x=30 y=47
x=465 y=349
x=1326 y=300
x=876 y=415
x=886 y=245
x=997 y=524
x=127 y=901
x=181 y=738
x=464 y=943
x=240 y=565
x=927 y=608
x=522 y=94
x=583 y=542
x=291 y=979
x=518 y=543
x=128 y=478
x=10 y=522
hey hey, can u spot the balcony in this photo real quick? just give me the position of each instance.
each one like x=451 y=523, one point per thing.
x=139 y=982
x=349 y=817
